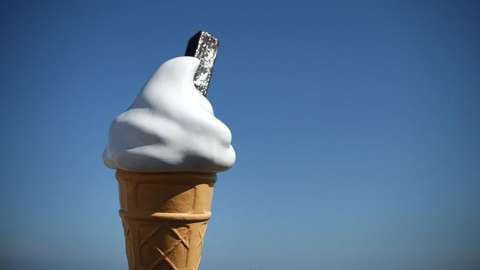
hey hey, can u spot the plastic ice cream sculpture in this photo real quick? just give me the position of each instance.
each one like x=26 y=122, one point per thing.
x=167 y=148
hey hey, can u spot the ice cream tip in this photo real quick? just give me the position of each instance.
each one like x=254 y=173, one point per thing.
x=203 y=46
x=170 y=127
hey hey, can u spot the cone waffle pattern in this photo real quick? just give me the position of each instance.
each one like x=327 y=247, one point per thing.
x=165 y=218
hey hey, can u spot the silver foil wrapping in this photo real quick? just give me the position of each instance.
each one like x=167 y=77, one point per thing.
x=203 y=46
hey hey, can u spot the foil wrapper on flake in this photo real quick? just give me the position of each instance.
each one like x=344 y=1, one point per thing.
x=203 y=46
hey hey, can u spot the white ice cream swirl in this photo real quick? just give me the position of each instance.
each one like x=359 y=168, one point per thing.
x=170 y=127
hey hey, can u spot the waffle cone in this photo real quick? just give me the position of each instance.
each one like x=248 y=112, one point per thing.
x=164 y=217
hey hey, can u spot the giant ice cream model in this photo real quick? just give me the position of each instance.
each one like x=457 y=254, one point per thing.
x=167 y=148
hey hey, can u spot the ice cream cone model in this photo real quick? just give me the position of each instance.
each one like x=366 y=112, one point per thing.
x=167 y=149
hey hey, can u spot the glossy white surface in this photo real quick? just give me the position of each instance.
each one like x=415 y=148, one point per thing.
x=170 y=127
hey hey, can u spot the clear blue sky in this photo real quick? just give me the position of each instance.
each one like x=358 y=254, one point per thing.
x=356 y=127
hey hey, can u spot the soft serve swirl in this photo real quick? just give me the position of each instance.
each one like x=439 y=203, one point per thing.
x=170 y=127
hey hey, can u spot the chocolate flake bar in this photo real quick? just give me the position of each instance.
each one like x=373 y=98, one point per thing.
x=203 y=46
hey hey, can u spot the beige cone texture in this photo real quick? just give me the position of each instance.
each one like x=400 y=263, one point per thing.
x=165 y=217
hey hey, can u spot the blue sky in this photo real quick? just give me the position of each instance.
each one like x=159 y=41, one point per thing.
x=355 y=125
